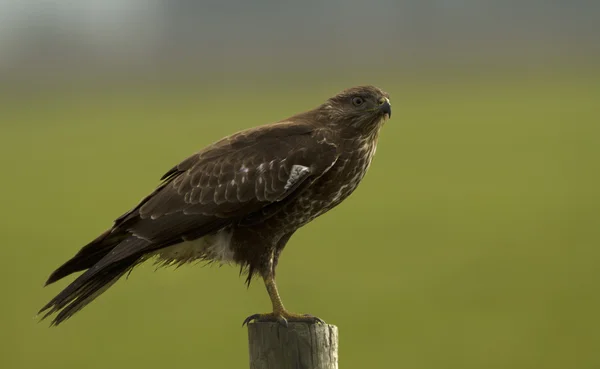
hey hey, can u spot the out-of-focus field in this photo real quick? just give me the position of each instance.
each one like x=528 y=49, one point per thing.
x=473 y=242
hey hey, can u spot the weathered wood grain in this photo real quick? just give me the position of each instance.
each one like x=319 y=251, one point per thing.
x=299 y=346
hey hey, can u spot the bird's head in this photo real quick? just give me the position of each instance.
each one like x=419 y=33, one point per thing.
x=363 y=108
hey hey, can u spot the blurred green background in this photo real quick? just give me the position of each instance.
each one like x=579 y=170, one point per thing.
x=471 y=243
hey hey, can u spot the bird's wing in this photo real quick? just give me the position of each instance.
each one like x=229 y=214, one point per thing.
x=239 y=179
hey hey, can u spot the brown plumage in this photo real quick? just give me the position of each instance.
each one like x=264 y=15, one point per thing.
x=238 y=200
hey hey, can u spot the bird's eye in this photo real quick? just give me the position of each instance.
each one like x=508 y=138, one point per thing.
x=357 y=101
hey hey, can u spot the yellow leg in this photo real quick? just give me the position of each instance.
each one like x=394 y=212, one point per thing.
x=279 y=313
x=274 y=295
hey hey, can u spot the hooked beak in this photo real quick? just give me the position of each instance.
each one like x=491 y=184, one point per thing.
x=385 y=107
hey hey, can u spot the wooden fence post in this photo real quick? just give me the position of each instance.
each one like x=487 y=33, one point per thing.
x=300 y=346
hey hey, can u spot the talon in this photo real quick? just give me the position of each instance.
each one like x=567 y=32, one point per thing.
x=250 y=319
x=283 y=318
x=282 y=321
x=316 y=318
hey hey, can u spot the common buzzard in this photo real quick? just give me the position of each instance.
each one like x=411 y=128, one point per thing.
x=238 y=200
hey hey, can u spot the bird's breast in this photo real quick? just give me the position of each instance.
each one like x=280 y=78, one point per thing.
x=348 y=173
x=332 y=188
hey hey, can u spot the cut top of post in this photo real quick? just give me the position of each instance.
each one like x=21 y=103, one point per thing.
x=299 y=346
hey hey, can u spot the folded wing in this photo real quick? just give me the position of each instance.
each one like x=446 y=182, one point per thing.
x=242 y=179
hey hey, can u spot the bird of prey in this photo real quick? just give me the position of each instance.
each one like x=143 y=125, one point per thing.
x=238 y=201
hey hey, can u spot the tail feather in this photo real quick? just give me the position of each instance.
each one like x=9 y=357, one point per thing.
x=95 y=280
x=89 y=255
x=84 y=290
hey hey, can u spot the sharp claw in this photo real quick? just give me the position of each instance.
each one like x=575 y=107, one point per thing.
x=282 y=321
x=316 y=319
x=250 y=318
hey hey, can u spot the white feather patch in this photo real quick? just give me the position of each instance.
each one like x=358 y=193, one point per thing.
x=298 y=171
x=214 y=247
